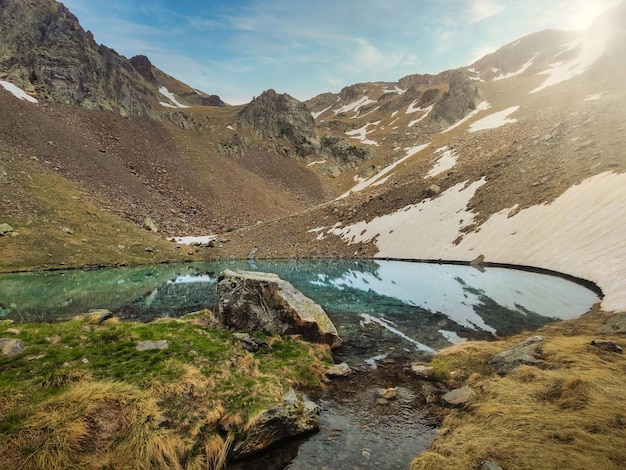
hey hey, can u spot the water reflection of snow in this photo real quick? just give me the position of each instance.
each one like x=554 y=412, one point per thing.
x=455 y=290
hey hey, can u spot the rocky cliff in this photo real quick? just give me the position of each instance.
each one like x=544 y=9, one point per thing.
x=44 y=50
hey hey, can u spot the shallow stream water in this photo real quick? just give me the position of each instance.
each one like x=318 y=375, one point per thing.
x=389 y=313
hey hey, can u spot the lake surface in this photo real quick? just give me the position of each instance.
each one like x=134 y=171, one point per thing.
x=379 y=307
x=387 y=312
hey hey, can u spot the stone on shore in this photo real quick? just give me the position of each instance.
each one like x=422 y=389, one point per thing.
x=296 y=416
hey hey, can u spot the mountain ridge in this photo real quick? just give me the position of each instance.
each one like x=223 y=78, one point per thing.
x=519 y=127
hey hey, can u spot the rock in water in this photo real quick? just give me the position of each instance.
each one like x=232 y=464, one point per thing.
x=253 y=301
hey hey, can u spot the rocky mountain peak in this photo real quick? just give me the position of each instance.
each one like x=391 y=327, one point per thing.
x=272 y=115
x=144 y=67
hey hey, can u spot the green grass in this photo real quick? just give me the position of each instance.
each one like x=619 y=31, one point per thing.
x=203 y=383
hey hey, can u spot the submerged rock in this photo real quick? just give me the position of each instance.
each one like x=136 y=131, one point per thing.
x=527 y=352
x=253 y=301
x=295 y=417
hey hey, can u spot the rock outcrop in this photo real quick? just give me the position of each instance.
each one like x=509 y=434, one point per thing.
x=273 y=116
x=461 y=98
x=527 y=352
x=253 y=301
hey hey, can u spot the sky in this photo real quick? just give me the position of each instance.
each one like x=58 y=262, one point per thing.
x=238 y=48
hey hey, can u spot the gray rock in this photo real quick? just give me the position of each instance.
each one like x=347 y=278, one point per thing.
x=11 y=347
x=603 y=344
x=5 y=229
x=253 y=344
x=458 y=396
x=614 y=325
x=339 y=370
x=253 y=301
x=527 y=352
x=296 y=416
x=12 y=331
x=487 y=465
x=149 y=345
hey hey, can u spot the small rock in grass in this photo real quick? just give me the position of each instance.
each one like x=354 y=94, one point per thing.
x=604 y=344
x=12 y=331
x=150 y=345
x=11 y=347
x=458 y=396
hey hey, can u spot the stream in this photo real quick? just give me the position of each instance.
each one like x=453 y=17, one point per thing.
x=388 y=313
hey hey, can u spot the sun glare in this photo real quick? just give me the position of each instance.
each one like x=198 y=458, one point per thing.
x=581 y=14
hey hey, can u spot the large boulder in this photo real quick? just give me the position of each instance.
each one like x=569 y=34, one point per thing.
x=254 y=301
x=295 y=417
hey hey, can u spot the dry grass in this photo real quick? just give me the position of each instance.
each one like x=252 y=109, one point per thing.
x=571 y=413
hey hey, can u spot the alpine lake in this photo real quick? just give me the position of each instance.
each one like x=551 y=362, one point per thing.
x=389 y=314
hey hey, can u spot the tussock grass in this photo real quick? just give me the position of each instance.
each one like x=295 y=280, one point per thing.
x=568 y=413
x=82 y=396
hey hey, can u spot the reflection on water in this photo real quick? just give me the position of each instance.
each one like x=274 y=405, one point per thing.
x=379 y=307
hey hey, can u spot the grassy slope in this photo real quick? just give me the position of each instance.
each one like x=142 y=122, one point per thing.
x=41 y=205
x=82 y=396
x=569 y=413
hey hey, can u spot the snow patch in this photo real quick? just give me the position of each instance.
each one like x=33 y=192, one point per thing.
x=520 y=71
x=426 y=113
x=425 y=230
x=170 y=96
x=482 y=106
x=316 y=162
x=494 y=120
x=197 y=241
x=447 y=160
x=361 y=132
x=364 y=183
x=354 y=106
x=317 y=114
x=591 y=48
x=17 y=91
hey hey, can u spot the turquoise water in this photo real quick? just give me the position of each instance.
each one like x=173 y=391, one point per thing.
x=417 y=306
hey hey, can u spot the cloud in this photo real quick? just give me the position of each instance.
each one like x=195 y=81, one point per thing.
x=482 y=9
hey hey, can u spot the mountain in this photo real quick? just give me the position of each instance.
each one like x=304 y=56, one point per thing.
x=516 y=157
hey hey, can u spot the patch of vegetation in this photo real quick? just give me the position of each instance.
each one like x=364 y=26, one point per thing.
x=82 y=395
x=568 y=413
